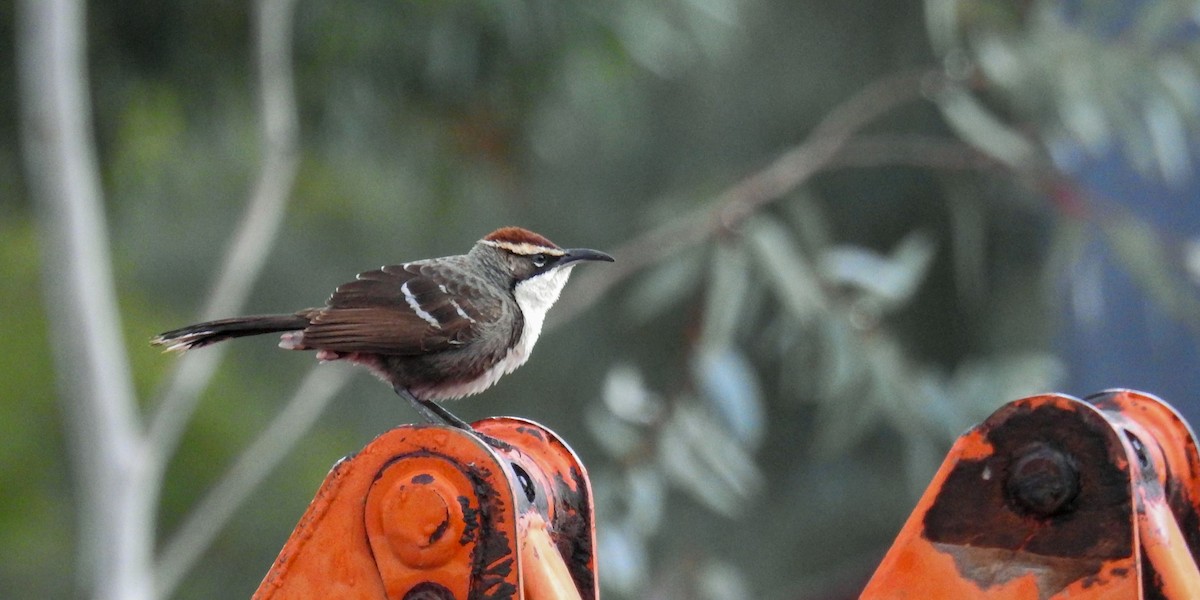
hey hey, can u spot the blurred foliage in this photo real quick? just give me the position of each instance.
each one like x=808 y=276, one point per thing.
x=795 y=330
x=1087 y=74
x=35 y=520
x=758 y=412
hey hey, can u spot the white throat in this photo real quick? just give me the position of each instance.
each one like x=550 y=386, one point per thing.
x=535 y=296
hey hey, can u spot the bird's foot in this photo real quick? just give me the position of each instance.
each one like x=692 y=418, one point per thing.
x=496 y=443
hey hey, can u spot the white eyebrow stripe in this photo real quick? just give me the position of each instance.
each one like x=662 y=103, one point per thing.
x=523 y=248
x=416 y=307
x=462 y=313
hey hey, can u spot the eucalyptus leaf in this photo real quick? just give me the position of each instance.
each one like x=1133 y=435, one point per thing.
x=806 y=217
x=1162 y=20
x=843 y=368
x=1169 y=141
x=699 y=456
x=724 y=302
x=627 y=397
x=790 y=274
x=728 y=381
x=1081 y=114
x=1181 y=81
x=623 y=551
x=616 y=436
x=1094 y=71
x=983 y=130
x=891 y=279
x=669 y=284
x=845 y=419
x=945 y=412
x=1141 y=251
x=719 y=580
x=647 y=498
x=1191 y=259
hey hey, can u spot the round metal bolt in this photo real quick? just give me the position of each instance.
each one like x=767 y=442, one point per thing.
x=420 y=517
x=1042 y=481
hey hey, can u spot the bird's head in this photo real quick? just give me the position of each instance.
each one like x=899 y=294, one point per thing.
x=536 y=267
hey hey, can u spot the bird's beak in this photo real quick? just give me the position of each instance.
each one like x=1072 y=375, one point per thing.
x=578 y=254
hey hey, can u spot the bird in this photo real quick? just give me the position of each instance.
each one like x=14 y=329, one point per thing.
x=436 y=329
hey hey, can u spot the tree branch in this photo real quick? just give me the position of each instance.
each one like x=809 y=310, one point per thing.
x=259 y=227
x=211 y=515
x=738 y=202
x=96 y=390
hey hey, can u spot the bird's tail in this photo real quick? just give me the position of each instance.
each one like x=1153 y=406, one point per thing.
x=211 y=332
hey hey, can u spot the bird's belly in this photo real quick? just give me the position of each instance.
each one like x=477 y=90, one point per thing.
x=453 y=389
x=451 y=376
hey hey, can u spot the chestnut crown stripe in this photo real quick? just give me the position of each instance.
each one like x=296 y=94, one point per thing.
x=521 y=241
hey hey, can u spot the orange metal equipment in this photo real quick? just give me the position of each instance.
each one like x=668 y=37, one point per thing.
x=433 y=513
x=1053 y=497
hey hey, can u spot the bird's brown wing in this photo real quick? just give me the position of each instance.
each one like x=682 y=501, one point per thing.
x=408 y=309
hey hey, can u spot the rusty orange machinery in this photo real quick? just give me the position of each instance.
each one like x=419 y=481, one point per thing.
x=434 y=513
x=1051 y=498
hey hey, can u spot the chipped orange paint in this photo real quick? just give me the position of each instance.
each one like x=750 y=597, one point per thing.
x=1138 y=480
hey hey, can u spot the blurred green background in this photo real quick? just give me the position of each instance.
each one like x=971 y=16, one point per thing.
x=763 y=395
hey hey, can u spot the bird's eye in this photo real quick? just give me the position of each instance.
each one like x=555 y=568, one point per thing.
x=539 y=260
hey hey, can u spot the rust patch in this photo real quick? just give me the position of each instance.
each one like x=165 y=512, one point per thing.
x=975 y=516
x=572 y=528
x=1152 y=581
x=493 y=552
x=439 y=531
x=532 y=432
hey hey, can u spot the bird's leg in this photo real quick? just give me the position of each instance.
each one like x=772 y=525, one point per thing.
x=436 y=414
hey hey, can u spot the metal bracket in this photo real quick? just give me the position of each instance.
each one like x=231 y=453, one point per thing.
x=433 y=513
x=1055 y=497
